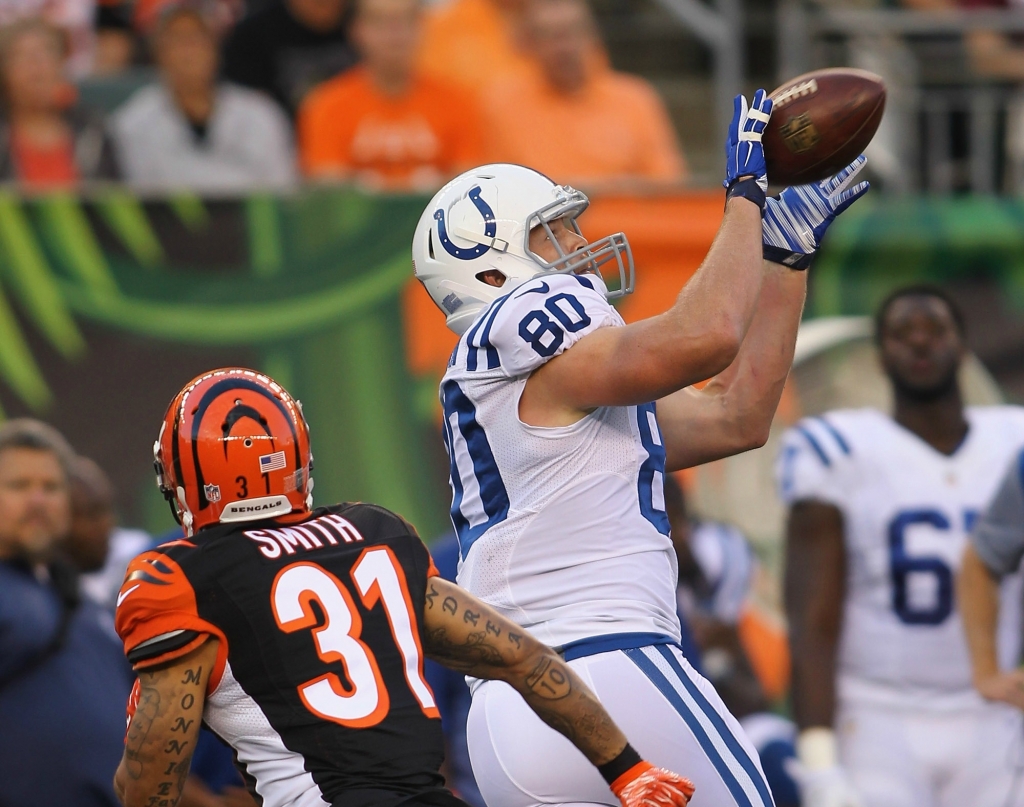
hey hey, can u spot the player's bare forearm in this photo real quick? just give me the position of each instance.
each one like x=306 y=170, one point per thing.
x=734 y=411
x=814 y=585
x=978 y=596
x=162 y=734
x=466 y=635
x=692 y=341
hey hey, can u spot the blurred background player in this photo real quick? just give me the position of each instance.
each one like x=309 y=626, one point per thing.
x=880 y=508
x=240 y=625
x=558 y=453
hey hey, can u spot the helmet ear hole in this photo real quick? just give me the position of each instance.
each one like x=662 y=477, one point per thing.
x=430 y=244
x=492 y=277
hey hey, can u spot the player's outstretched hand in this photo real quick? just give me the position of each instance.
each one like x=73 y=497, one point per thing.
x=745 y=171
x=643 y=785
x=823 y=787
x=1006 y=687
x=794 y=223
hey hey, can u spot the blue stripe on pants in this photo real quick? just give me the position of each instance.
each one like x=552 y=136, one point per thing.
x=658 y=678
x=716 y=720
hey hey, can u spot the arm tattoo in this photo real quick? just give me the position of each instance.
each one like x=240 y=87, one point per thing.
x=465 y=640
x=472 y=652
x=549 y=680
x=159 y=760
x=138 y=730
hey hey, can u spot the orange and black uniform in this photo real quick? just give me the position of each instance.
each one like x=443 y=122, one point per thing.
x=318 y=685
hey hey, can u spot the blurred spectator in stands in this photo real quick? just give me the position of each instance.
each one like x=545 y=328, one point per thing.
x=996 y=57
x=382 y=123
x=191 y=131
x=116 y=43
x=92 y=516
x=289 y=47
x=63 y=677
x=992 y=54
x=45 y=139
x=75 y=19
x=221 y=14
x=577 y=120
x=96 y=545
x=463 y=36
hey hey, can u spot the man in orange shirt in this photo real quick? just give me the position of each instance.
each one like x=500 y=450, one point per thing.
x=383 y=124
x=575 y=118
x=463 y=35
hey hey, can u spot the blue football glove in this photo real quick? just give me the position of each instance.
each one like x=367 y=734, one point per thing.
x=744 y=155
x=794 y=223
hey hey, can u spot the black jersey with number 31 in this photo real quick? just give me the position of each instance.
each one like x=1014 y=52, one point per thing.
x=318 y=685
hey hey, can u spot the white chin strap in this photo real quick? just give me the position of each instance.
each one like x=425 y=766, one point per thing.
x=187 y=518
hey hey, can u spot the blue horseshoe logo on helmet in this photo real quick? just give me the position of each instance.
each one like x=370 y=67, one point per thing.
x=490 y=229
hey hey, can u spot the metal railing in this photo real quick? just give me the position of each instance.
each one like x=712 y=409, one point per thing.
x=720 y=28
x=947 y=128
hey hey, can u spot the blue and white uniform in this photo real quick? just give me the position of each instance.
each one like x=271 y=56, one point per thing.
x=564 y=531
x=911 y=728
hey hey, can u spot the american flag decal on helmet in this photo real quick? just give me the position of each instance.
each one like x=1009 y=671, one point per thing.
x=272 y=462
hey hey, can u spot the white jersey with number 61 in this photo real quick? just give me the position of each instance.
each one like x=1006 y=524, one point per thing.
x=563 y=530
x=907 y=510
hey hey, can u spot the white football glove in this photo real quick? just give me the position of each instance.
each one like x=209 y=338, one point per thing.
x=823 y=787
x=816 y=771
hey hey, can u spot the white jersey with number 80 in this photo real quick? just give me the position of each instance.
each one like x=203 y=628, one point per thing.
x=561 y=529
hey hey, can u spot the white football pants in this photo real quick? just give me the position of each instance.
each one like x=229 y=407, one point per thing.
x=670 y=714
x=911 y=758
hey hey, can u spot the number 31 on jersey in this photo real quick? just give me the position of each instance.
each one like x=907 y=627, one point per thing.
x=378 y=577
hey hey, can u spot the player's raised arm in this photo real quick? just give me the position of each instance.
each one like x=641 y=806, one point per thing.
x=465 y=634
x=164 y=719
x=734 y=411
x=702 y=332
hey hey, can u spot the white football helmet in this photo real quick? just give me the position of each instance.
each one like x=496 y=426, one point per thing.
x=482 y=220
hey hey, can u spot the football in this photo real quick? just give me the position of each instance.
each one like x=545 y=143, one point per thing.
x=820 y=123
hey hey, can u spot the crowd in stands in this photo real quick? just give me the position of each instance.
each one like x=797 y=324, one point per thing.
x=64 y=679
x=390 y=94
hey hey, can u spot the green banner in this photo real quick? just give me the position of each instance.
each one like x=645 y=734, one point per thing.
x=882 y=243
x=305 y=287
